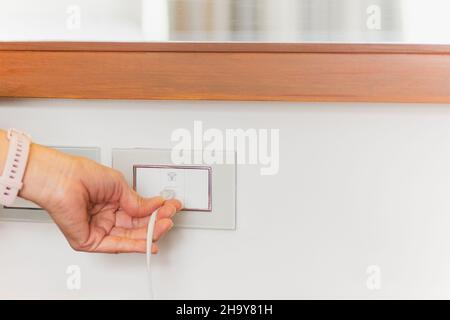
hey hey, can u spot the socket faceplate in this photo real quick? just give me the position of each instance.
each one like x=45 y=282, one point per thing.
x=223 y=186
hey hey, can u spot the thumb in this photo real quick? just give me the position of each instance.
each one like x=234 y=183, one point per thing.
x=137 y=206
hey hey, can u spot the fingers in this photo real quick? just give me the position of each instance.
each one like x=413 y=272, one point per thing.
x=122 y=240
x=161 y=227
x=115 y=244
x=136 y=234
x=137 y=206
x=168 y=210
x=130 y=232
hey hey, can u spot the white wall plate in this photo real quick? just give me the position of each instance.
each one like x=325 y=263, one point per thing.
x=23 y=210
x=192 y=185
x=208 y=191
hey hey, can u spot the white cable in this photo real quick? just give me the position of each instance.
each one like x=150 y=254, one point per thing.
x=167 y=195
x=150 y=229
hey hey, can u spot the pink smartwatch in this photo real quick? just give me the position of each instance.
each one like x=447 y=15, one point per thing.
x=15 y=165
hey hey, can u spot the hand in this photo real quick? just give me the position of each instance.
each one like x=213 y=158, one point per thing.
x=93 y=205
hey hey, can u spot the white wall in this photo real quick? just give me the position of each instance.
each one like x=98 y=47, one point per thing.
x=359 y=185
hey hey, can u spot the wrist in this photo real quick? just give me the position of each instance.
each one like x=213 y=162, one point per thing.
x=45 y=174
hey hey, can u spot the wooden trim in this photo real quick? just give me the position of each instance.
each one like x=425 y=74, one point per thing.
x=224 y=71
x=224 y=47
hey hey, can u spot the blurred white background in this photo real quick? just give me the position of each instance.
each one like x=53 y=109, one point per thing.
x=357 y=21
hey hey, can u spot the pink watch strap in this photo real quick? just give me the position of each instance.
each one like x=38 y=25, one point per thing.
x=16 y=162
